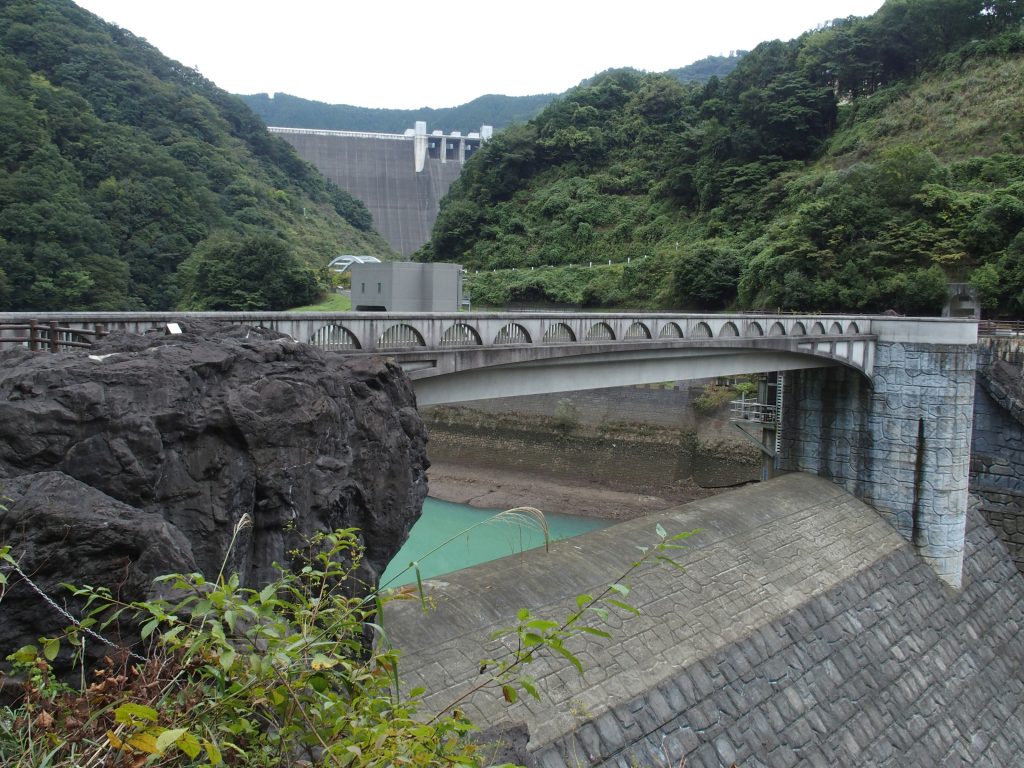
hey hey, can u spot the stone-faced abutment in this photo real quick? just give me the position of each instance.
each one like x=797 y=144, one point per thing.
x=899 y=440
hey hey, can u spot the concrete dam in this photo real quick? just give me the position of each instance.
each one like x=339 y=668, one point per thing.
x=401 y=178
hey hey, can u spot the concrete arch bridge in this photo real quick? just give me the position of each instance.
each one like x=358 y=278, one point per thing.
x=453 y=357
x=882 y=406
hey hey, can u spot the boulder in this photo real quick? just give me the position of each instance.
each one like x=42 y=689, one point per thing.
x=197 y=430
x=62 y=530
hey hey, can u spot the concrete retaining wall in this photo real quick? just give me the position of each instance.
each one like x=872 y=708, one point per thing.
x=659 y=448
x=997 y=472
x=662 y=406
x=997 y=448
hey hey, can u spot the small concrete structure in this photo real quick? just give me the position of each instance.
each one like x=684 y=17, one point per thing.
x=406 y=286
x=962 y=302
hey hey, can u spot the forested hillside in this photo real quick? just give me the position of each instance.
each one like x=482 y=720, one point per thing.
x=127 y=179
x=859 y=167
x=708 y=67
x=496 y=111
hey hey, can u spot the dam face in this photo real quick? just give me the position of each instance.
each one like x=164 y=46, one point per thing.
x=401 y=178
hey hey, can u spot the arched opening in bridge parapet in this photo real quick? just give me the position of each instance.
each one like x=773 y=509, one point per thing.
x=835 y=329
x=818 y=329
x=853 y=328
x=638 y=331
x=461 y=335
x=670 y=331
x=600 y=332
x=728 y=331
x=559 y=333
x=702 y=331
x=400 y=335
x=334 y=338
x=513 y=333
x=778 y=329
x=754 y=329
x=799 y=329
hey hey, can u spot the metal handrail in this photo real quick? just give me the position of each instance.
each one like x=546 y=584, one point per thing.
x=751 y=410
x=49 y=335
x=1001 y=328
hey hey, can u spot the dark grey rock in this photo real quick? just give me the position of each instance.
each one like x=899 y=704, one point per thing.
x=58 y=527
x=186 y=434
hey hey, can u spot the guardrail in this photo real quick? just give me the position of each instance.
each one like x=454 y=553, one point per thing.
x=753 y=411
x=50 y=335
x=1001 y=328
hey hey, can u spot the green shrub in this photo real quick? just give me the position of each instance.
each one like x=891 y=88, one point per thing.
x=567 y=418
x=283 y=675
x=236 y=676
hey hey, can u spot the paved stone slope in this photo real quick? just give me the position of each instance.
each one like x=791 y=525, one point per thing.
x=805 y=631
x=735 y=658
x=891 y=668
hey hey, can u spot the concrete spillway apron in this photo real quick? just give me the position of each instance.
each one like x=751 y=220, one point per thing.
x=763 y=551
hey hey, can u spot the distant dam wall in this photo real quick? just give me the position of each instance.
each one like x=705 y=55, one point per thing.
x=401 y=178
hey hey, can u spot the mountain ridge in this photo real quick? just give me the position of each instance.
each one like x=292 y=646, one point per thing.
x=119 y=165
x=858 y=168
x=496 y=110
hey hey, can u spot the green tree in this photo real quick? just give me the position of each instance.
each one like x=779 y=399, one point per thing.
x=257 y=272
x=705 y=276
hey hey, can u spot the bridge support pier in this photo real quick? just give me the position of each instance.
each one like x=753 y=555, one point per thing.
x=901 y=442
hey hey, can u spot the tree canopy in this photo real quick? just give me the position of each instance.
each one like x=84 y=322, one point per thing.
x=859 y=167
x=117 y=164
x=257 y=272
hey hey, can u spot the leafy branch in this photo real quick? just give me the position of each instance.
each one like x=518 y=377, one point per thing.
x=535 y=636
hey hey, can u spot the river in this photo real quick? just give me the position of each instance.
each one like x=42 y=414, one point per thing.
x=448 y=537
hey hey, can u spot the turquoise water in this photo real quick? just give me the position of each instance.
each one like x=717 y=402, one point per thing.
x=443 y=521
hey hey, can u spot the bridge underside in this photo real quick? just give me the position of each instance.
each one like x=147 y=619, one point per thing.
x=477 y=374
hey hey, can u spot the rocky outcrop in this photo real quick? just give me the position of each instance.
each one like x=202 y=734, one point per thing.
x=63 y=530
x=141 y=455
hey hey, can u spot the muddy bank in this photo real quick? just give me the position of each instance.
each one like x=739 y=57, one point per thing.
x=615 y=471
x=492 y=488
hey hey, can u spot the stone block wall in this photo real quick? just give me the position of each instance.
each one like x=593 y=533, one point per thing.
x=997 y=450
x=887 y=669
x=900 y=442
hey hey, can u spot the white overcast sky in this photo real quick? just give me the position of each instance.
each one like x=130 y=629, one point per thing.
x=405 y=55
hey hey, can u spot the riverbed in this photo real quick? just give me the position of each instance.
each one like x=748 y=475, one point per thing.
x=491 y=488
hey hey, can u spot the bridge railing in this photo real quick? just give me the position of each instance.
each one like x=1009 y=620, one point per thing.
x=1001 y=328
x=50 y=336
x=753 y=411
